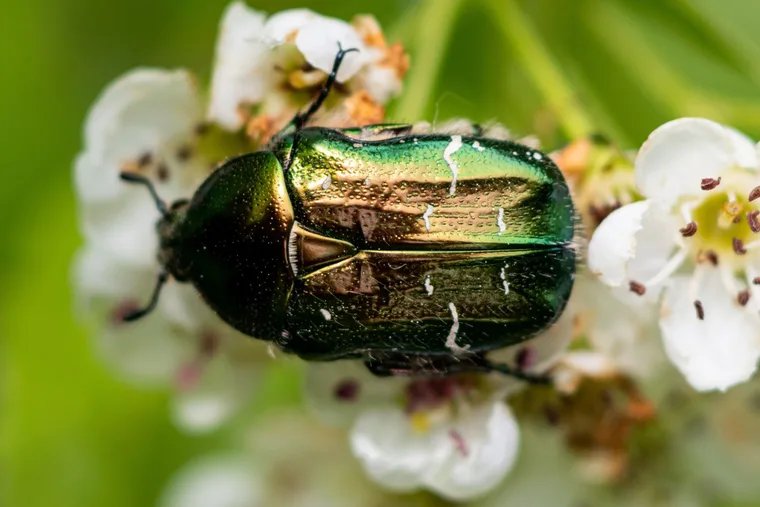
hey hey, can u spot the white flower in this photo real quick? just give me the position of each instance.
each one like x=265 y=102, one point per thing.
x=618 y=324
x=452 y=435
x=150 y=122
x=288 y=461
x=262 y=62
x=695 y=239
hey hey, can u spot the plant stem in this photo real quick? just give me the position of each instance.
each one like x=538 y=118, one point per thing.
x=435 y=22
x=520 y=34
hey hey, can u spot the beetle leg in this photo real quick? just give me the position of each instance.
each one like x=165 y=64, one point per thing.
x=421 y=365
x=300 y=119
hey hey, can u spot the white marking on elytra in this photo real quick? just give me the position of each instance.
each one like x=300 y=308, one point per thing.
x=358 y=145
x=366 y=182
x=426 y=216
x=428 y=286
x=477 y=146
x=451 y=340
x=326 y=314
x=326 y=182
x=453 y=147
x=504 y=281
x=416 y=141
x=293 y=249
x=537 y=156
x=500 y=222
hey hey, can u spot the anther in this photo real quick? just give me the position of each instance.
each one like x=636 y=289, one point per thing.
x=709 y=256
x=700 y=309
x=184 y=153
x=737 y=219
x=753 y=221
x=754 y=194
x=689 y=230
x=743 y=297
x=756 y=280
x=710 y=183
x=738 y=246
x=145 y=159
x=347 y=390
x=162 y=172
x=637 y=288
x=201 y=129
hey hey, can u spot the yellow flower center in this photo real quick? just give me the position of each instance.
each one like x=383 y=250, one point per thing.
x=723 y=224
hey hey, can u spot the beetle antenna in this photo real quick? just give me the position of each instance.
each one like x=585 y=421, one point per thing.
x=301 y=118
x=130 y=177
x=142 y=312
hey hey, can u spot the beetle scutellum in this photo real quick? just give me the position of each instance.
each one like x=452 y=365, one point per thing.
x=418 y=253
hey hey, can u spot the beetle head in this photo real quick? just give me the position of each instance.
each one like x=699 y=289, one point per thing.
x=166 y=227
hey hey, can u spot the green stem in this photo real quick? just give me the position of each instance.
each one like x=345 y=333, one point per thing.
x=535 y=58
x=435 y=22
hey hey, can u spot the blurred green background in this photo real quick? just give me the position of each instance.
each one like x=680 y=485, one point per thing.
x=70 y=434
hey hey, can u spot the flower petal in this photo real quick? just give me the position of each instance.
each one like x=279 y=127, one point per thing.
x=486 y=449
x=318 y=42
x=390 y=451
x=338 y=391
x=632 y=244
x=223 y=388
x=145 y=352
x=619 y=324
x=715 y=353
x=285 y=24
x=680 y=153
x=240 y=75
x=225 y=480
x=139 y=115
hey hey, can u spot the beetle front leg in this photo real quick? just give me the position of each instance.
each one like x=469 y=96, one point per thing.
x=441 y=366
x=300 y=119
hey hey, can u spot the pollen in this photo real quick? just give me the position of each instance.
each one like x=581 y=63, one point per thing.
x=420 y=422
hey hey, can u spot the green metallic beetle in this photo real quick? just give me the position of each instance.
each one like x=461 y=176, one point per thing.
x=416 y=253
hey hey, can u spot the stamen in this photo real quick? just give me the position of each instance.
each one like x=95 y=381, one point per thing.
x=743 y=297
x=686 y=210
x=162 y=172
x=347 y=390
x=637 y=288
x=202 y=129
x=737 y=219
x=145 y=159
x=753 y=221
x=756 y=280
x=754 y=194
x=700 y=309
x=708 y=256
x=738 y=246
x=184 y=153
x=668 y=269
x=710 y=183
x=459 y=443
x=689 y=230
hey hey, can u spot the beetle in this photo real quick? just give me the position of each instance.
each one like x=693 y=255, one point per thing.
x=418 y=253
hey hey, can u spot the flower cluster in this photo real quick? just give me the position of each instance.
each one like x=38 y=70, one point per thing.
x=675 y=252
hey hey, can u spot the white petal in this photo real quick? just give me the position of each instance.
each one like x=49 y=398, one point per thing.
x=324 y=379
x=491 y=439
x=632 y=244
x=379 y=81
x=680 y=153
x=135 y=115
x=620 y=324
x=391 y=453
x=222 y=390
x=286 y=23
x=241 y=74
x=318 y=42
x=141 y=113
x=144 y=352
x=226 y=480
x=715 y=353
